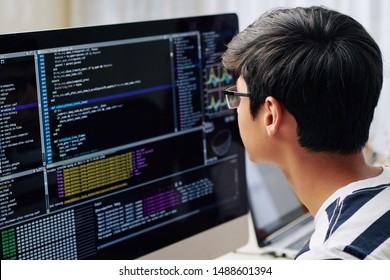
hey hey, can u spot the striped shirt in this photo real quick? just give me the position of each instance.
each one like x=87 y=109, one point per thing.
x=353 y=223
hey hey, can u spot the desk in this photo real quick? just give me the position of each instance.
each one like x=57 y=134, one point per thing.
x=250 y=251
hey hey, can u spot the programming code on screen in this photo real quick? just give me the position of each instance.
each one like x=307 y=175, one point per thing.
x=103 y=144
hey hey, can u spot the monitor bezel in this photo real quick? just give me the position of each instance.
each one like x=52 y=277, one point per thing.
x=230 y=234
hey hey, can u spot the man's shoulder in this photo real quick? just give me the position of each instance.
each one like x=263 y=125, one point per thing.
x=360 y=195
x=363 y=234
x=354 y=225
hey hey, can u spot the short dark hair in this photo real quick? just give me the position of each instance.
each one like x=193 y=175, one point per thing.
x=321 y=65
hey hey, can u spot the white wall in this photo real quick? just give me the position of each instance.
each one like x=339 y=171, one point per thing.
x=27 y=15
x=24 y=15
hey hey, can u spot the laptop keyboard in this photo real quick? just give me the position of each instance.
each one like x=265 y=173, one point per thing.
x=299 y=243
x=287 y=232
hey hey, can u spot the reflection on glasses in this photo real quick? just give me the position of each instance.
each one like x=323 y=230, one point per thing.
x=233 y=97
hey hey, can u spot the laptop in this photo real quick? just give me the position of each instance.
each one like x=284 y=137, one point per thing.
x=282 y=225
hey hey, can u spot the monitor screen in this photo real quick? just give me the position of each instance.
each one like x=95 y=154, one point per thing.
x=115 y=140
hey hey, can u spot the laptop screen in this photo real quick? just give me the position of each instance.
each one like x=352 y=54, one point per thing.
x=272 y=202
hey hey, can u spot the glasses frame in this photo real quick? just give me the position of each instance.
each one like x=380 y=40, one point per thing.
x=232 y=91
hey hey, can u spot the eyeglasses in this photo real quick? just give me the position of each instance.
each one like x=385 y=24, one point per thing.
x=233 y=97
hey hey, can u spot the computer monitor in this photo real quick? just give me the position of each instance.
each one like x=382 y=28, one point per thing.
x=116 y=143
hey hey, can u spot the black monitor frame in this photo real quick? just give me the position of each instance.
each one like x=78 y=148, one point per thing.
x=213 y=168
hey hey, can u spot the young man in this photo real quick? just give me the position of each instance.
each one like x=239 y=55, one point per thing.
x=309 y=81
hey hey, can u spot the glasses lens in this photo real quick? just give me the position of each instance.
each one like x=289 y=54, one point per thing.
x=232 y=101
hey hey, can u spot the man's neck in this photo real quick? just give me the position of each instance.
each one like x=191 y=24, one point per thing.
x=315 y=176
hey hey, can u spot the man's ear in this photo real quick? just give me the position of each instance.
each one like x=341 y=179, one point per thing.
x=273 y=115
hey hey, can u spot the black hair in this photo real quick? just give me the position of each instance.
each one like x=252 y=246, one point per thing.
x=321 y=65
